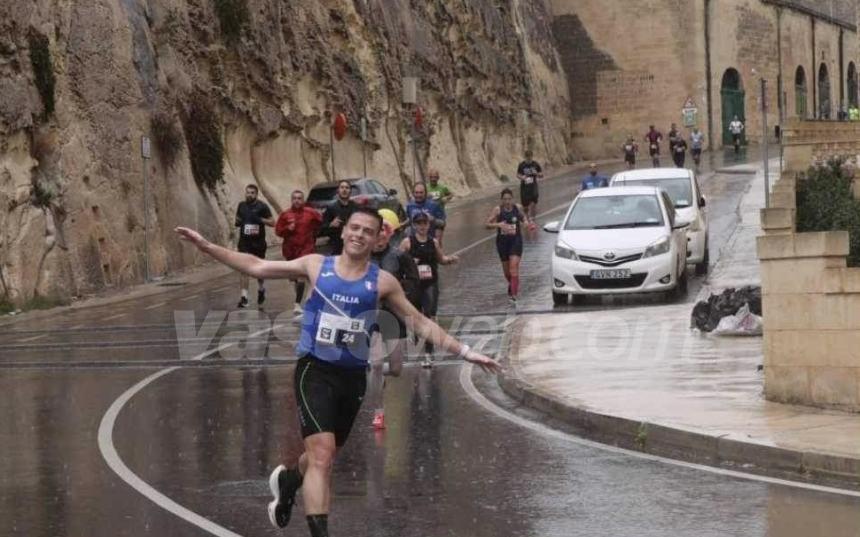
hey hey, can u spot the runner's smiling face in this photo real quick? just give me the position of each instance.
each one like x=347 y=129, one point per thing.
x=360 y=234
x=419 y=193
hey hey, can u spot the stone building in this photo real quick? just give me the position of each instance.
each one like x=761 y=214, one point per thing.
x=634 y=64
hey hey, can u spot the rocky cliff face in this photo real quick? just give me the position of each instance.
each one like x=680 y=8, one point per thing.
x=249 y=81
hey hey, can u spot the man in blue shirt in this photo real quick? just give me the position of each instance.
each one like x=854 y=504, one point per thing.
x=593 y=180
x=421 y=203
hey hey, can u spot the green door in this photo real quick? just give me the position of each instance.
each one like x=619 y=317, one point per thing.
x=733 y=105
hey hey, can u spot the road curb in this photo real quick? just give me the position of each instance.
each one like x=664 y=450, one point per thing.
x=676 y=443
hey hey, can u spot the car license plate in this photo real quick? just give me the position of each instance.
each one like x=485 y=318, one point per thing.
x=614 y=274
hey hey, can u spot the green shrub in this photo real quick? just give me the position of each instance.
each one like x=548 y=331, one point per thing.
x=43 y=70
x=205 y=147
x=233 y=15
x=825 y=203
x=41 y=194
x=39 y=302
x=6 y=306
x=166 y=137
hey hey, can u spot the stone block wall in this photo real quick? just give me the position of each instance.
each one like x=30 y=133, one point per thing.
x=810 y=298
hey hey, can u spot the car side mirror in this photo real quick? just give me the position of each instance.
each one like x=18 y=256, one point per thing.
x=702 y=201
x=392 y=192
x=681 y=225
x=551 y=227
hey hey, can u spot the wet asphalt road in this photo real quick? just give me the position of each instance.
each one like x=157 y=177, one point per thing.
x=207 y=435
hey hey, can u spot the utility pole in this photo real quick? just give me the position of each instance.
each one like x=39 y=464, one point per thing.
x=145 y=153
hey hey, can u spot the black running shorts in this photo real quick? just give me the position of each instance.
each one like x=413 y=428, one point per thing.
x=328 y=397
x=508 y=246
x=528 y=193
x=255 y=248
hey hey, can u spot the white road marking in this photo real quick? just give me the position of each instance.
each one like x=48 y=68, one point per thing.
x=34 y=338
x=158 y=305
x=489 y=406
x=108 y=451
x=192 y=297
x=113 y=460
x=117 y=316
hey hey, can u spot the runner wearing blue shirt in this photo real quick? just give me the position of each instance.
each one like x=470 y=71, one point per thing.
x=420 y=203
x=333 y=351
x=593 y=180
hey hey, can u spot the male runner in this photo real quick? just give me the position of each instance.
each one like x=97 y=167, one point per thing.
x=333 y=352
x=736 y=127
x=697 y=142
x=336 y=215
x=654 y=137
x=252 y=217
x=441 y=194
x=528 y=172
x=593 y=179
x=298 y=226
x=630 y=148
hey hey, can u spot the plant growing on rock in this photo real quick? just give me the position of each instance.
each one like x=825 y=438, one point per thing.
x=233 y=15
x=43 y=69
x=205 y=147
x=166 y=136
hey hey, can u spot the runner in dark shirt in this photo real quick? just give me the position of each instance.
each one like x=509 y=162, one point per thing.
x=252 y=217
x=336 y=215
x=529 y=172
x=654 y=137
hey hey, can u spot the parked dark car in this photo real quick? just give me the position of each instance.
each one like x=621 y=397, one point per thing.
x=365 y=191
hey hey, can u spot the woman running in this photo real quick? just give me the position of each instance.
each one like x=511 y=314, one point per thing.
x=507 y=219
x=428 y=256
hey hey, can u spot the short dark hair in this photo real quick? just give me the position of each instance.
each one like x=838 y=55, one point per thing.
x=342 y=181
x=506 y=191
x=297 y=191
x=419 y=183
x=368 y=211
x=252 y=187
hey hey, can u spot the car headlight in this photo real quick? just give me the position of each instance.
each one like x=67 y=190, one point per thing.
x=565 y=252
x=661 y=246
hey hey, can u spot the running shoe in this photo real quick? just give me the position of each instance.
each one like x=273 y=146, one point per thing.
x=243 y=302
x=297 y=309
x=284 y=484
x=379 y=420
x=261 y=296
x=427 y=363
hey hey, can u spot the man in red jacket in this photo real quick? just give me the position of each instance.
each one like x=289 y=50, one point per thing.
x=298 y=226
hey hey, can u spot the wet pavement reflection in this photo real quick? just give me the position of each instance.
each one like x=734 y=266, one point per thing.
x=207 y=436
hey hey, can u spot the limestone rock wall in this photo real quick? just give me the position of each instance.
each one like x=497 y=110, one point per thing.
x=71 y=182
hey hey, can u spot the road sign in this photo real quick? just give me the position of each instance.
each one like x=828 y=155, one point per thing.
x=689 y=112
x=145 y=147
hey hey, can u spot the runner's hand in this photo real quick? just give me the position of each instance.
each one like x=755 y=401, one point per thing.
x=188 y=234
x=484 y=362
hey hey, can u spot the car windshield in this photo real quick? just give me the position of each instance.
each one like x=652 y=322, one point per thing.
x=613 y=212
x=327 y=193
x=678 y=188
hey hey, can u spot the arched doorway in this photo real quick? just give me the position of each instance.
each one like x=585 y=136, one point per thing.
x=732 y=94
x=852 y=85
x=800 y=93
x=823 y=93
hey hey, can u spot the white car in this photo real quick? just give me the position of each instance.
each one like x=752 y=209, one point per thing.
x=682 y=187
x=619 y=240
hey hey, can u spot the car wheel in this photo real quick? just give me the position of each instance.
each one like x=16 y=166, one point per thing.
x=559 y=299
x=702 y=268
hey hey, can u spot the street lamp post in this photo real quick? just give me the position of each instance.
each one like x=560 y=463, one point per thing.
x=145 y=153
x=764 y=142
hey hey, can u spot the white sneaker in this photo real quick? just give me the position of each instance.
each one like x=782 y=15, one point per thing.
x=297 y=309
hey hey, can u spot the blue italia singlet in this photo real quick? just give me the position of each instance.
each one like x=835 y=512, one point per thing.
x=338 y=317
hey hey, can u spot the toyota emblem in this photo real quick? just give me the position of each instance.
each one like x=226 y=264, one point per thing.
x=609 y=256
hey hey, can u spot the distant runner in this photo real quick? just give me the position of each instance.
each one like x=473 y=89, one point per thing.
x=428 y=255
x=529 y=172
x=507 y=220
x=252 y=217
x=298 y=226
x=697 y=142
x=630 y=149
x=654 y=137
x=441 y=194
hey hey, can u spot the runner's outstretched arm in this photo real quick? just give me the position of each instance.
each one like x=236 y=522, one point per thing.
x=247 y=263
x=390 y=290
